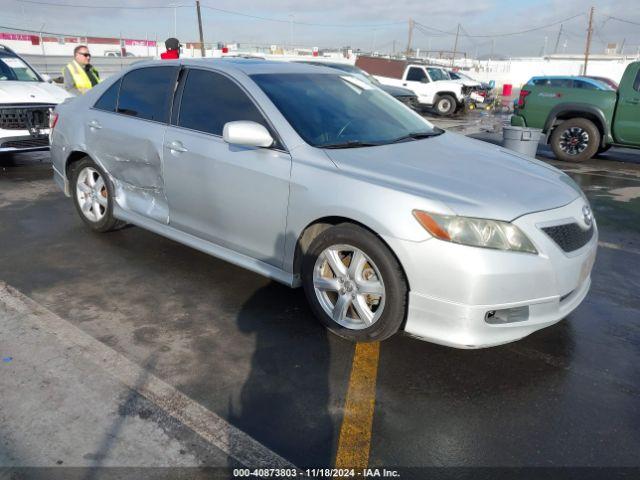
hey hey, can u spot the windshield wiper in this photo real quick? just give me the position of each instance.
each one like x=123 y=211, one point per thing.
x=349 y=144
x=418 y=135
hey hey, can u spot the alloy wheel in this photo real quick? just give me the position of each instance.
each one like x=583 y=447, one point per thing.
x=349 y=286
x=92 y=194
x=574 y=141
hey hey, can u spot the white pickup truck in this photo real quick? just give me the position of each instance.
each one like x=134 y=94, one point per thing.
x=432 y=84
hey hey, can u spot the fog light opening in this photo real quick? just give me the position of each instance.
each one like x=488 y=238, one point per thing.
x=507 y=315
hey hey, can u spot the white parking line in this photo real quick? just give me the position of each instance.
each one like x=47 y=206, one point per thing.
x=615 y=246
x=211 y=427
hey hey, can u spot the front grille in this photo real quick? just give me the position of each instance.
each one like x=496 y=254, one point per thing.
x=25 y=117
x=570 y=236
x=411 y=102
x=27 y=143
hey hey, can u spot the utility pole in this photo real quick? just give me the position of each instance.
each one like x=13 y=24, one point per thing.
x=455 y=47
x=555 y=49
x=624 y=40
x=587 y=47
x=291 y=32
x=200 y=28
x=408 y=52
x=394 y=48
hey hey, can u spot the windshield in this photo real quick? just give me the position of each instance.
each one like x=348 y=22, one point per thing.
x=328 y=110
x=13 y=68
x=437 y=74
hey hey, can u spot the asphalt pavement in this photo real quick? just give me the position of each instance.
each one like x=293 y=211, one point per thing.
x=127 y=349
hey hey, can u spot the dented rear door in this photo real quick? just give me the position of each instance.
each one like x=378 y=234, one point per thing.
x=128 y=142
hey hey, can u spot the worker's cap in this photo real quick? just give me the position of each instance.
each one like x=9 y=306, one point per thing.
x=172 y=43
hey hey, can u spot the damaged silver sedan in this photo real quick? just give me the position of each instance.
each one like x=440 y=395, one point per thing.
x=315 y=178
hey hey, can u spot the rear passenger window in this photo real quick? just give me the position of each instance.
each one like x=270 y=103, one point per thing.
x=147 y=93
x=636 y=84
x=584 y=85
x=210 y=100
x=416 y=74
x=109 y=99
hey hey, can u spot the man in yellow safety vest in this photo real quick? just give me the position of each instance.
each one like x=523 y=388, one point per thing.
x=79 y=75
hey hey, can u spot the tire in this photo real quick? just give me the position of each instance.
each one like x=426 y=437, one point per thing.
x=575 y=140
x=377 y=272
x=445 y=105
x=101 y=193
x=604 y=149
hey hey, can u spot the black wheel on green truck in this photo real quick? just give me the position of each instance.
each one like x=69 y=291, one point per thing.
x=575 y=140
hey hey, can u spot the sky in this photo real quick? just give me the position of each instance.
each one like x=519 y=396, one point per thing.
x=379 y=25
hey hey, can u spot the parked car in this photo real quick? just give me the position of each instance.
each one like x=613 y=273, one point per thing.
x=316 y=178
x=482 y=90
x=569 y=82
x=26 y=99
x=581 y=121
x=404 y=95
x=612 y=83
x=432 y=84
x=117 y=53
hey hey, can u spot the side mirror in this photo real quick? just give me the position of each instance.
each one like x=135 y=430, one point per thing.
x=424 y=80
x=46 y=78
x=247 y=134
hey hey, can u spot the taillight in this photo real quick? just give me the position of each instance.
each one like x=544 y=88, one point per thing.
x=523 y=95
x=53 y=119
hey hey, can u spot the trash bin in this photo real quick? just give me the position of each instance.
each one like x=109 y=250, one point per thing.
x=521 y=139
x=507 y=89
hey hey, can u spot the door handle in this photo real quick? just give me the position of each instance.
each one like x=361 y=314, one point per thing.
x=633 y=101
x=93 y=124
x=404 y=84
x=176 y=146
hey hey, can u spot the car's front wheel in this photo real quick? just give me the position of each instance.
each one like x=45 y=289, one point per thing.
x=93 y=196
x=575 y=140
x=354 y=284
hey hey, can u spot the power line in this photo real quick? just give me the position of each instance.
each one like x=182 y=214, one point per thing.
x=123 y=7
x=622 y=20
x=279 y=20
x=520 y=32
x=508 y=34
x=209 y=7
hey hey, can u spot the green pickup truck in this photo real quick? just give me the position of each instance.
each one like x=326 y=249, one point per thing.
x=580 y=123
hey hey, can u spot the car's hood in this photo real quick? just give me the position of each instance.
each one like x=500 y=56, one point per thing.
x=397 y=91
x=472 y=178
x=469 y=83
x=31 y=92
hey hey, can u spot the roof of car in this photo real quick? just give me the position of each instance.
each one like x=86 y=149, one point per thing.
x=252 y=66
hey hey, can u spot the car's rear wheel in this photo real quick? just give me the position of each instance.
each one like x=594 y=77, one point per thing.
x=445 y=105
x=354 y=284
x=93 y=196
x=575 y=140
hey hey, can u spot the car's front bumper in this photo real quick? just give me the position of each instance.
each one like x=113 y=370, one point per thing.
x=453 y=288
x=23 y=141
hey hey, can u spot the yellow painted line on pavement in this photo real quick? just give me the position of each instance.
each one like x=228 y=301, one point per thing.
x=355 y=434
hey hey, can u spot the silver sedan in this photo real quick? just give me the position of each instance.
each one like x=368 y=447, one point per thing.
x=314 y=178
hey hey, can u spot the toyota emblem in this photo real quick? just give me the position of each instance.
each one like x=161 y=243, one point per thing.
x=587 y=215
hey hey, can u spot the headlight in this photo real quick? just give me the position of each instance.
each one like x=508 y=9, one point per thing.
x=476 y=232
